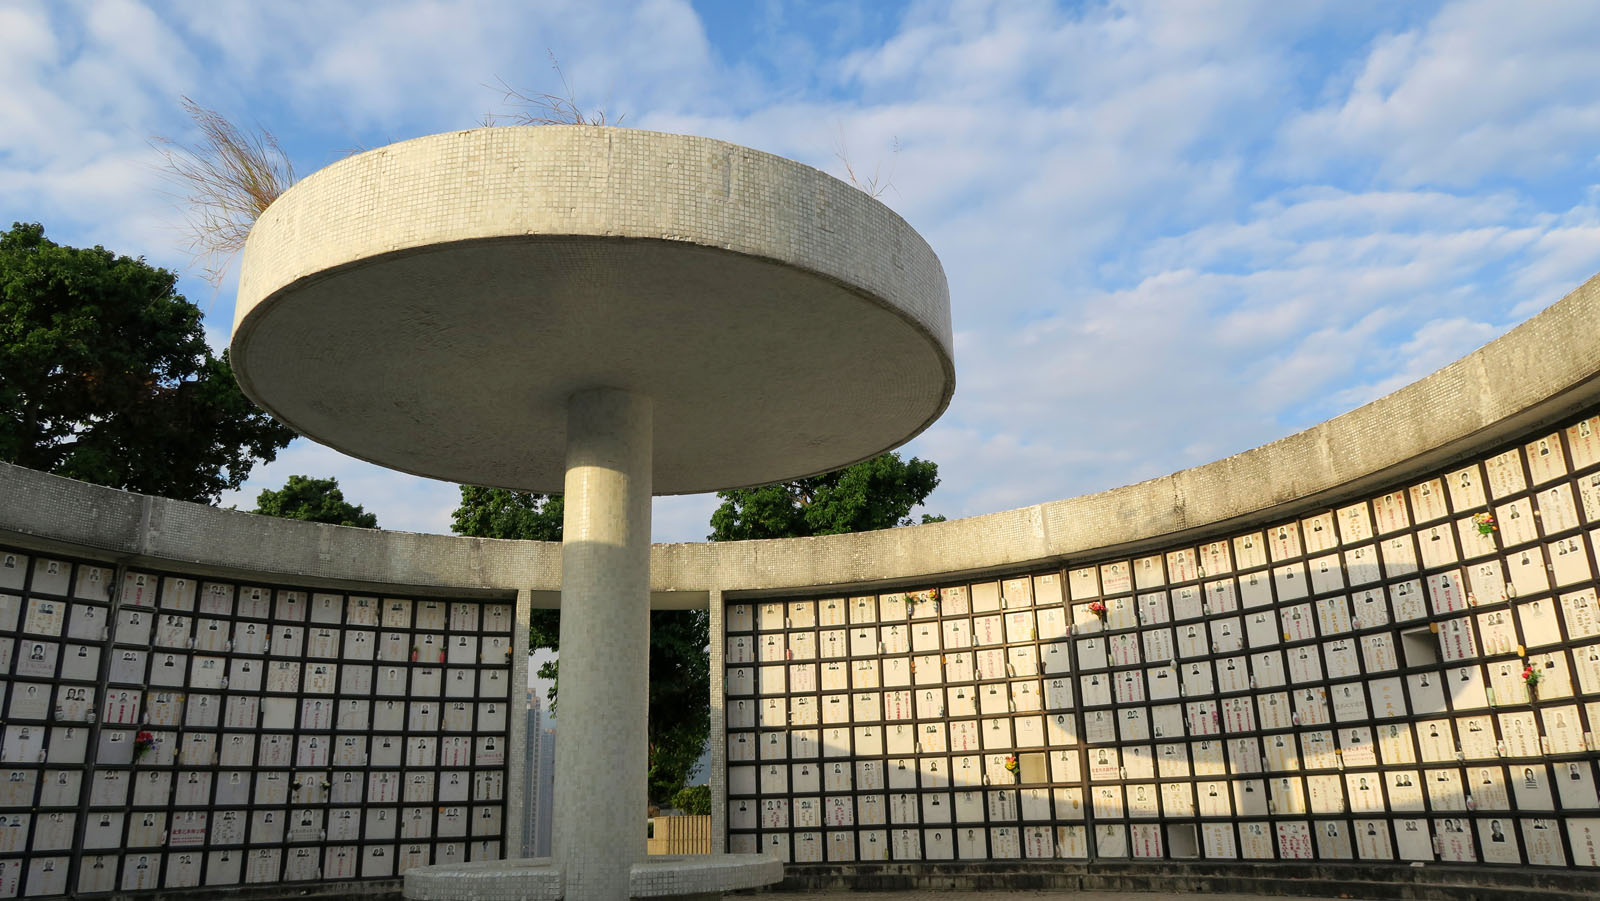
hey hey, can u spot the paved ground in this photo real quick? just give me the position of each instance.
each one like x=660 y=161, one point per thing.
x=1009 y=896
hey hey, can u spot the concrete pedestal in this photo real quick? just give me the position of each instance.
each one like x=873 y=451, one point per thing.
x=600 y=792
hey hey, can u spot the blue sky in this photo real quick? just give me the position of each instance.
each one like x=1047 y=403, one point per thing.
x=1173 y=231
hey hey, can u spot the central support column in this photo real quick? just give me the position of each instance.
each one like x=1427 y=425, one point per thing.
x=600 y=793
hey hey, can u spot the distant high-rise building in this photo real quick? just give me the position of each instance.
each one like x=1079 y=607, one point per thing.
x=530 y=785
x=539 y=788
x=547 y=789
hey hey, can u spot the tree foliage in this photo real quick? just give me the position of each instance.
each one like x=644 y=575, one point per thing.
x=498 y=513
x=314 y=500
x=680 y=697
x=879 y=493
x=105 y=376
x=694 y=800
x=680 y=669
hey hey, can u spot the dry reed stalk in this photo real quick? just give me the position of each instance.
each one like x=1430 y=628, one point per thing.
x=228 y=179
x=541 y=108
x=876 y=184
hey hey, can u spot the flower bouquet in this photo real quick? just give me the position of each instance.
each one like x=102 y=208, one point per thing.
x=1485 y=523
x=144 y=743
x=1013 y=767
x=1098 y=608
x=1530 y=678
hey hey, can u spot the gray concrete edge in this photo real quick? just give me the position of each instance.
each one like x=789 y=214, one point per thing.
x=517 y=744
x=718 y=777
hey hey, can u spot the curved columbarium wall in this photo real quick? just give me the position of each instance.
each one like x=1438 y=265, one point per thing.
x=1374 y=641
x=1307 y=652
x=1344 y=684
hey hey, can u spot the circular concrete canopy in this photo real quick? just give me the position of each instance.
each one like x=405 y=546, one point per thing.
x=431 y=305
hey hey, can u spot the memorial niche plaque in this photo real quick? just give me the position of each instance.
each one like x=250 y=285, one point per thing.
x=203 y=674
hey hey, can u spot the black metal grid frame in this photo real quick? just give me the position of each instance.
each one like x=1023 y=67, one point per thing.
x=185 y=597
x=1466 y=829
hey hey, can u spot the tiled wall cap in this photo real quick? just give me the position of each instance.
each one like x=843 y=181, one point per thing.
x=665 y=877
x=540 y=880
x=536 y=879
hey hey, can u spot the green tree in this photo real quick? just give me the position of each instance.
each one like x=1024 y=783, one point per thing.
x=874 y=494
x=314 y=500
x=498 y=513
x=105 y=376
x=680 y=668
x=693 y=800
x=680 y=697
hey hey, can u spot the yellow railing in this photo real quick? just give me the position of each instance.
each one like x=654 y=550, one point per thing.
x=680 y=835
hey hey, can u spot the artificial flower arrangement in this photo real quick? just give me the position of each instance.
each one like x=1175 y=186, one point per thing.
x=1098 y=608
x=1485 y=523
x=144 y=743
x=1013 y=767
x=1531 y=677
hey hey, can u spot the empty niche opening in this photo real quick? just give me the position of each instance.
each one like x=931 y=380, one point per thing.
x=1182 y=841
x=1034 y=768
x=1421 y=647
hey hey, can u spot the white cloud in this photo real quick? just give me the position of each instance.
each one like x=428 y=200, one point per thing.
x=1172 y=232
x=1560 y=259
x=1483 y=89
x=418 y=66
x=1314 y=304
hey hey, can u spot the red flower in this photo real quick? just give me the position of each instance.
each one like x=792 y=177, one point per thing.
x=143 y=742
